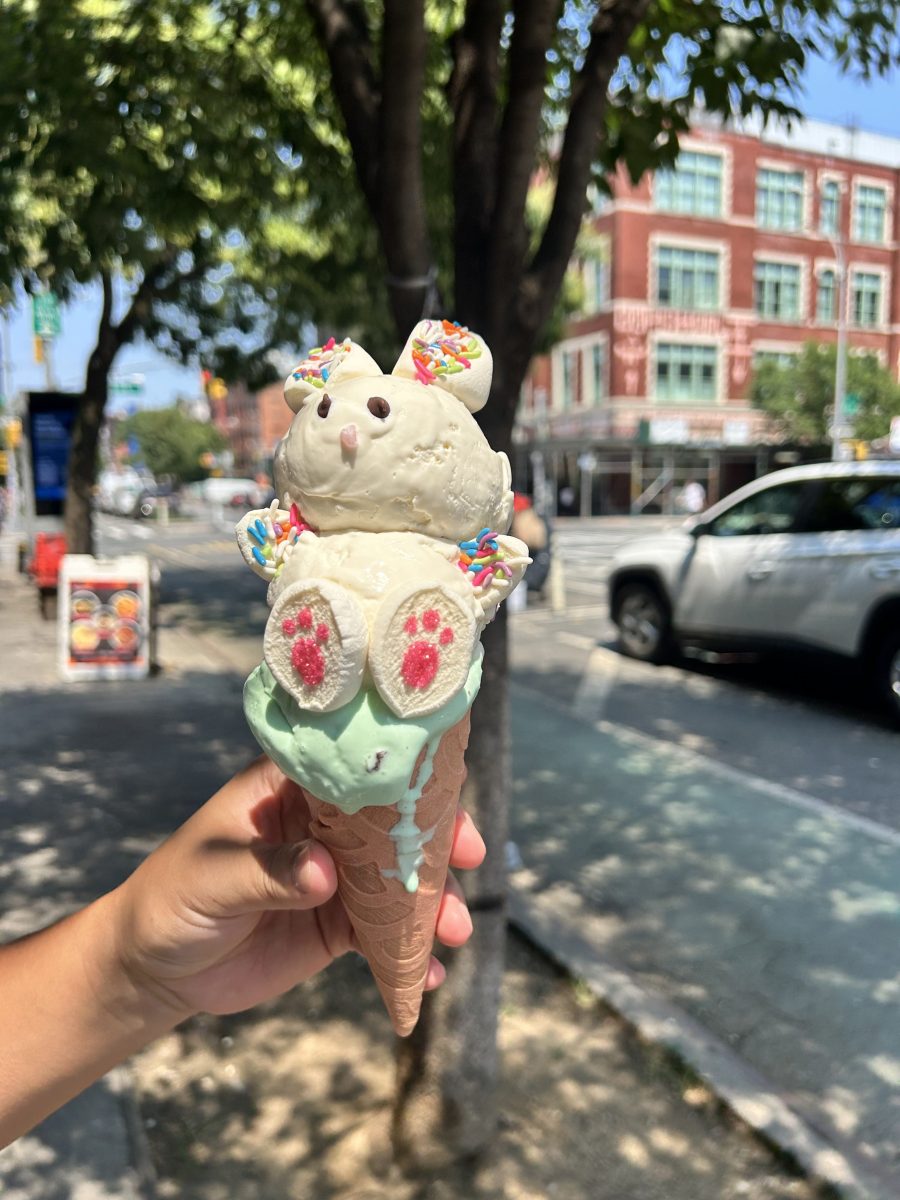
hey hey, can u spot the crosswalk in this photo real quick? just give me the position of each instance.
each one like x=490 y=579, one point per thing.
x=187 y=544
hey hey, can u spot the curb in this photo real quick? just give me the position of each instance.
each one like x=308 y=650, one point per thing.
x=739 y=1087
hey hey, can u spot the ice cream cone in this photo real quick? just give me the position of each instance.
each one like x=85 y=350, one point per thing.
x=394 y=926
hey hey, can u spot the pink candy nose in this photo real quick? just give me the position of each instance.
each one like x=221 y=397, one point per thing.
x=348 y=437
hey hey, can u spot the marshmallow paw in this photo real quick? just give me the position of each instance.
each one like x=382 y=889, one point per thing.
x=315 y=644
x=422 y=643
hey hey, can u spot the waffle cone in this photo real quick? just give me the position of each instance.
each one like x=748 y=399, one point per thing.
x=394 y=927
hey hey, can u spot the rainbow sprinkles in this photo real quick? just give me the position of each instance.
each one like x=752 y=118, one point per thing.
x=273 y=537
x=322 y=362
x=482 y=557
x=444 y=348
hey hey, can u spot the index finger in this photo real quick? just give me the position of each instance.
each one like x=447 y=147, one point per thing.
x=468 y=849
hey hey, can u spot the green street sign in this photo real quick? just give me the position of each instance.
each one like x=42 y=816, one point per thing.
x=851 y=404
x=45 y=315
x=129 y=386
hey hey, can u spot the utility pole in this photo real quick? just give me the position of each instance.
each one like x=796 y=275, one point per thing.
x=840 y=370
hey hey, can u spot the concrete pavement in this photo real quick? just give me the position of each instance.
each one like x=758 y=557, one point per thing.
x=92 y=777
x=769 y=919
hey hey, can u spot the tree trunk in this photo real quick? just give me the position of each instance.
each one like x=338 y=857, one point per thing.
x=445 y=1105
x=82 y=471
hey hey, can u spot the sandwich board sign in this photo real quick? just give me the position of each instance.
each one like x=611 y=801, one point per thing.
x=104 y=617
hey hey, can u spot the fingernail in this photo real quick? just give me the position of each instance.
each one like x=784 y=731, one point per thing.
x=303 y=868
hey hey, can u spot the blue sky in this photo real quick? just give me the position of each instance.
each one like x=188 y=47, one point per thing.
x=828 y=96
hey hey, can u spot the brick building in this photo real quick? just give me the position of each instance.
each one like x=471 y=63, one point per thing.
x=253 y=423
x=691 y=278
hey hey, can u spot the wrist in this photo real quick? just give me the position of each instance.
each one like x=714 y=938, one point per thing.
x=139 y=1005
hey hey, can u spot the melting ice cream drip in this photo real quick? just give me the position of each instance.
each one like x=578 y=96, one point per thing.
x=410 y=841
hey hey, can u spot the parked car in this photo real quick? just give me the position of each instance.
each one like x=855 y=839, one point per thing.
x=148 y=503
x=808 y=557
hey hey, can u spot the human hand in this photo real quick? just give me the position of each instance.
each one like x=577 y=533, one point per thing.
x=239 y=904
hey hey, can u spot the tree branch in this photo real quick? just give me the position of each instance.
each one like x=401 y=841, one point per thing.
x=400 y=211
x=473 y=95
x=611 y=30
x=343 y=32
x=143 y=297
x=535 y=22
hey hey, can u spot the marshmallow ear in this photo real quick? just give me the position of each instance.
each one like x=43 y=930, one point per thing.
x=452 y=358
x=332 y=363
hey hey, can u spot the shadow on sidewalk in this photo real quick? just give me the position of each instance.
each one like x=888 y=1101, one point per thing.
x=95 y=775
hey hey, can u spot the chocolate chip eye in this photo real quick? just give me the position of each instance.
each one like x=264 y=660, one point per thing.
x=324 y=406
x=378 y=407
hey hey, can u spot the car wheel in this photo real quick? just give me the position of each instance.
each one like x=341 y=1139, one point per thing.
x=887 y=672
x=642 y=618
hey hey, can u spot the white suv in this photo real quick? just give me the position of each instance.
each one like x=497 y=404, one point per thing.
x=809 y=556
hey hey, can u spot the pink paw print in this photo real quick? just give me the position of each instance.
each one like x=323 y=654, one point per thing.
x=306 y=652
x=423 y=658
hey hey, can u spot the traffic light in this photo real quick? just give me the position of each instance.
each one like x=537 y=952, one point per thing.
x=215 y=388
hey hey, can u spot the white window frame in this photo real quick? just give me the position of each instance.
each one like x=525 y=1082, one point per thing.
x=779 y=167
x=820 y=266
x=861 y=181
x=865 y=268
x=696 y=146
x=764 y=346
x=603 y=243
x=660 y=239
x=582 y=345
x=686 y=339
x=788 y=260
x=823 y=177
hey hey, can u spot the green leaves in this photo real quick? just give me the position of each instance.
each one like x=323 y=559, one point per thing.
x=800 y=396
x=172 y=443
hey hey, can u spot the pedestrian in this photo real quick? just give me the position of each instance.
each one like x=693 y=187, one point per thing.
x=692 y=497
x=237 y=906
x=534 y=530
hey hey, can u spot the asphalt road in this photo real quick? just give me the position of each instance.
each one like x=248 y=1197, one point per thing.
x=803 y=723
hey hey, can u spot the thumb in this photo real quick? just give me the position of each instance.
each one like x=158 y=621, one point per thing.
x=293 y=875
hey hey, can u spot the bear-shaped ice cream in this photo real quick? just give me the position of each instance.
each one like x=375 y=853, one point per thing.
x=386 y=551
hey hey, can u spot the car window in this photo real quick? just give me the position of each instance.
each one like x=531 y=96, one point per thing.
x=860 y=503
x=772 y=510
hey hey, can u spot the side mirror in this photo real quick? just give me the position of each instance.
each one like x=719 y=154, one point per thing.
x=698 y=529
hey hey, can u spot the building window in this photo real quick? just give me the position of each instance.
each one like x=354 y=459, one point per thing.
x=570 y=381
x=595 y=373
x=826 y=296
x=830 y=207
x=594 y=271
x=779 y=199
x=686 y=372
x=693 y=186
x=687 y=278
x=869 y=209
x=865 y=298
x=776 y=290
x=778 y=358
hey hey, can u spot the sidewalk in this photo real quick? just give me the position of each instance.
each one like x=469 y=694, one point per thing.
x=760 y=916
x=78 y=810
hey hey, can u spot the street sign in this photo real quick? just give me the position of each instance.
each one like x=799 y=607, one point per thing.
x=45 y=315
x=131 y=385
x=894 y=440
x=851 y=404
